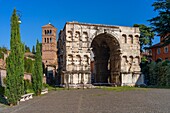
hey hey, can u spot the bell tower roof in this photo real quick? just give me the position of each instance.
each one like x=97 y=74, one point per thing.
x=48 y=25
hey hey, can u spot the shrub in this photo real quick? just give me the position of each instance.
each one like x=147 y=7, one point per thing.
x=2 y=90
x=157 y=74
x=45 y=85
x=27 y=85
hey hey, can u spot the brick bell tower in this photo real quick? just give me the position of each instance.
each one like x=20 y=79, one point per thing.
x=49 y=51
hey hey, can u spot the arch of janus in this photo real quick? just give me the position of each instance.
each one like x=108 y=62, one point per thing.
x=99 y=54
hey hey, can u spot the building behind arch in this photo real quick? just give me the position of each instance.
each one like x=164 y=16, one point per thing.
x=49 y=53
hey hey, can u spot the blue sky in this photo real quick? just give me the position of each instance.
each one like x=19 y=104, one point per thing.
x=36 y=13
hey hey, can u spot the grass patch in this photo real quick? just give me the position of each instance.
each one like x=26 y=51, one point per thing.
x=158 y=87
x=29 y=91
x=123 y=88
x=50 y=88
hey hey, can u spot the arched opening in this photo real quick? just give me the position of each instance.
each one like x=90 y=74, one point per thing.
x=124 y=38
x=70 y=62
x=47 y=32
x=50 y=32
x=69 y=36
x=77 y=36
x=85 y=36
x=50 y=40
x=137 y=38
x=131 y=39
x=106 y=50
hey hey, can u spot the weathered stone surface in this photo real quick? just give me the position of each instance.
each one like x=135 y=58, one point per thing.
x=108 y=54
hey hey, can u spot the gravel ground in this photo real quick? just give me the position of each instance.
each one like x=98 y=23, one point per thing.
x=96 y=101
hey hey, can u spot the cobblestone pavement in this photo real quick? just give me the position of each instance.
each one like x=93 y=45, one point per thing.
x=96 y=101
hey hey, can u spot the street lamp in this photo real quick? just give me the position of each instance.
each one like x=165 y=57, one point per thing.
x=19 y=16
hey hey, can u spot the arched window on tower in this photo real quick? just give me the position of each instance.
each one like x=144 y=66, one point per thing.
x=45 y=32
x=45 y=40
x=50 y=40
x=50 y=32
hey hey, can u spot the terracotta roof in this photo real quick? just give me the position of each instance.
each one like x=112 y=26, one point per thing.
x=48 y=25
x=155 y=46
x=29 y=54
x=160 y=44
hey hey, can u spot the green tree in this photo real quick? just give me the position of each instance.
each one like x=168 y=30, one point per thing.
x=168 y=75
x=161 y=22
x=27 y=49
x=37 y=71
x=3 y=50
x=151 y=75
x=40 y=47
x=15 y=64
x=146 y=35
x=1 y=54
x=28 y=65
x=33 y=49
x=163 y=74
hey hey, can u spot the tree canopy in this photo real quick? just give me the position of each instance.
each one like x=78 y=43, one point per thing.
x=27 y=49
x=146 y=35
x=33 y=49
x=3 y=50
x=161 y=23
x=15 y=64
x=37 y=71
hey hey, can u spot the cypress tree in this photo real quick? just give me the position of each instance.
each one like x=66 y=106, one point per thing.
x=15 y=64
x=27 y=49
x=37 y=71
x=33 y=50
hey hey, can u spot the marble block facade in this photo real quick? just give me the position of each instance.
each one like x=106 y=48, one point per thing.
x=95 y=53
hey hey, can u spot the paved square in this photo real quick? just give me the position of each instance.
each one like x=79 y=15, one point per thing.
x=96 y=101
